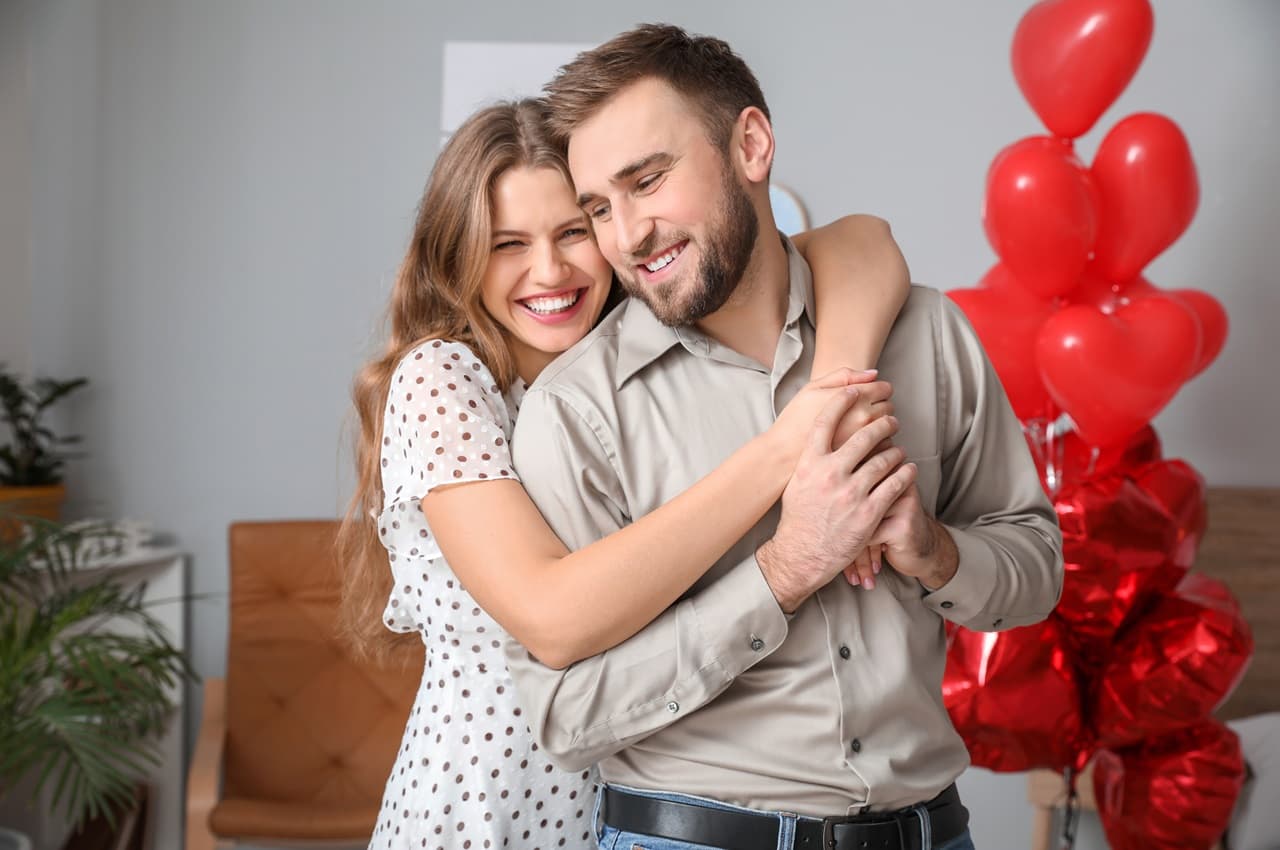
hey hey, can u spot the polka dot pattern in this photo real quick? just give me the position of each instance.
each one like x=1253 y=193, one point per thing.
x=468 y=773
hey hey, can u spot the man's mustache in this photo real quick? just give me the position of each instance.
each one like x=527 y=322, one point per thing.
x=651 y=244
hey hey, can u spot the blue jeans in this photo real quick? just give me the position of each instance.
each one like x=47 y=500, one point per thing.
x=614 y=839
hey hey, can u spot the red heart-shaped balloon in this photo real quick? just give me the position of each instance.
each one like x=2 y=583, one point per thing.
x=1039 y=214
x=1123 y=547
x=1095 y=289
x=1007 y=320
x=1073 y=58
x=1147 y=190
x=1113 y=373
x=1213 y=324
x=1014 y=698
x=1172 y=793
x=1174 y=665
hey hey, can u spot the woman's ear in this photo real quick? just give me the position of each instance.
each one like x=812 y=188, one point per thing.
x=752 y=144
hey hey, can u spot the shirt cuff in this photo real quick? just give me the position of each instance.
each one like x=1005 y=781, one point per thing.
x=739 y=617
x=965 y=596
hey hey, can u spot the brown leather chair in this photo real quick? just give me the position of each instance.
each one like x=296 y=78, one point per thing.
x=296 y=743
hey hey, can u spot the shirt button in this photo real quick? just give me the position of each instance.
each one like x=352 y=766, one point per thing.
x=756 y=643
x=948 y=604
x=856 y=746
x=997 y=623
x=844 y=652
x=673 y=706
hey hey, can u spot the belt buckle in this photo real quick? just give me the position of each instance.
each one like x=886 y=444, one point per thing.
x=829 y=830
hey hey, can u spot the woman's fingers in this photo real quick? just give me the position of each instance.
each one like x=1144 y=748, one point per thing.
x=843 y=376
x=861 y=572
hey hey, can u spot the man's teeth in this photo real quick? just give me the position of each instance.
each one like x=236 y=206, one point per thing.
x=663 y=261
x=554 y=304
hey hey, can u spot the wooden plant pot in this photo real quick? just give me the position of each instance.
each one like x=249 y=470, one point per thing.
x=43 y=502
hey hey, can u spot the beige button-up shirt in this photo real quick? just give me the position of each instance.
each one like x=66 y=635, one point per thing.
x=837 y=708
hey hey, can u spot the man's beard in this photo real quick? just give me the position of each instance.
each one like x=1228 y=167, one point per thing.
x=731 y=237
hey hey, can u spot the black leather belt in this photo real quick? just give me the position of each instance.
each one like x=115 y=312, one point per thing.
x=729 y=830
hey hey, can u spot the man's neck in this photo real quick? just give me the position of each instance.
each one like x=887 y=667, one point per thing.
x=751 y=321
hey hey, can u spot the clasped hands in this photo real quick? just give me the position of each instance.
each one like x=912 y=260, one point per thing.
x=852 y=500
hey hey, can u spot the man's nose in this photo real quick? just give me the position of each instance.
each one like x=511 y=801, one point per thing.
x=631 y=230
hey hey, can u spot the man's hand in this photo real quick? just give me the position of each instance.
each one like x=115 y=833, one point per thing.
x=835 y=501
x=915 y=544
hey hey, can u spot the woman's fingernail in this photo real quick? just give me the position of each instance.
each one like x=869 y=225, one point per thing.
x=869 y=583
x=875 y=567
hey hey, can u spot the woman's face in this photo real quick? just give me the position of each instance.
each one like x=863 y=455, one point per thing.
x=546 y=281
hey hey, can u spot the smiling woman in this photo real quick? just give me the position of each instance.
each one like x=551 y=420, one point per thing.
x=503 y=275
x=546 y=281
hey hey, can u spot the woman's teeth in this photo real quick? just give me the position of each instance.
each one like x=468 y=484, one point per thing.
x=554 y=304
x=663 y=261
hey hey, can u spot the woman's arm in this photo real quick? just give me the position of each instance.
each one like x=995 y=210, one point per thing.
x=564 y=606
x=860 y=282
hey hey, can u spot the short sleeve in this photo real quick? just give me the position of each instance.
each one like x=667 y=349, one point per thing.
x=446 y=423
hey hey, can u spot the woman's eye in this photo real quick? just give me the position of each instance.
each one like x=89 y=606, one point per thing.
x=508 y=245
x=574 y=233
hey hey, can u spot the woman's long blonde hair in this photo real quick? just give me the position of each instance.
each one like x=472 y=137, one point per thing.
x=437 y=295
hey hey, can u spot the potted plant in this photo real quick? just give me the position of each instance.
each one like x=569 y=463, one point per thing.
x=86 y=672
x=31 y=462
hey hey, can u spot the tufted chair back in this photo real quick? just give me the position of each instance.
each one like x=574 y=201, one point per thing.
x=311 y=733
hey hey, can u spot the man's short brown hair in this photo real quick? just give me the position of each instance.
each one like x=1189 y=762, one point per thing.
x=704 y=70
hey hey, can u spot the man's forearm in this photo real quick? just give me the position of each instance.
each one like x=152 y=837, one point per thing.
x=944 y=559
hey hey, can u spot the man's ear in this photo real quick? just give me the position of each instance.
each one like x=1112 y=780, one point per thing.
x=752 y=144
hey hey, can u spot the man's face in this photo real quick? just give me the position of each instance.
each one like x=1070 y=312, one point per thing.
x=669 y=212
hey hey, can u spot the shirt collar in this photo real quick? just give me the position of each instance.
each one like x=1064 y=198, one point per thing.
x=642 y=339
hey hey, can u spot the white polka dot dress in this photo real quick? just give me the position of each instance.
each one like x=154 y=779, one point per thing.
x=468 y=775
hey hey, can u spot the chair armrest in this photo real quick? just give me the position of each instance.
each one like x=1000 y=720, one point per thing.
x=204 y=779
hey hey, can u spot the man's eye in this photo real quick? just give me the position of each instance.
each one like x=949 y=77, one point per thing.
x=600 y=213
x=649 y=182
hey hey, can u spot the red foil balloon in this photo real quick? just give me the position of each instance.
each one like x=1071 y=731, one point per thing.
x=1013 y=697
x=1121 y=536
x=1174 y=666
x=1039 y=214
x=1148 y=193
x=1174 y=794
x=1007 y=319
x=1113 y=373
x=1073 y=58
x=1179 y=490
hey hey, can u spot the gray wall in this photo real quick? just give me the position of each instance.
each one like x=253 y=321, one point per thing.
x=202 y=204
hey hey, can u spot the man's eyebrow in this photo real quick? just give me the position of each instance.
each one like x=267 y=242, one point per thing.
x=630 y=170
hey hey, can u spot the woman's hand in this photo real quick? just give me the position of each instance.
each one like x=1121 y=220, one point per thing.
x=870 y=400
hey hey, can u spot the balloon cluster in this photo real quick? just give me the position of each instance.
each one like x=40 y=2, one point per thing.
x=1139 y=651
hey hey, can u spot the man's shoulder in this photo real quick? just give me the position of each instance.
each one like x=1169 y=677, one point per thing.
x=923 y=334
x=924 y=304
